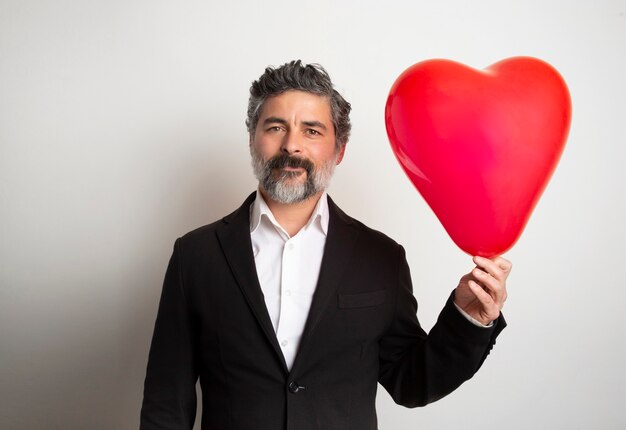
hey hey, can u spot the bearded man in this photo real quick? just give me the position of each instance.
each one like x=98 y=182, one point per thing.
x=289 y=311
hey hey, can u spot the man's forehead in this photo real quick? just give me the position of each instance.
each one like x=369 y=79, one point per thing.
x=296 y=101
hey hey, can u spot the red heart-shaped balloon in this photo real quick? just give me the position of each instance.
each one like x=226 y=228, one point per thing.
x=479 y=145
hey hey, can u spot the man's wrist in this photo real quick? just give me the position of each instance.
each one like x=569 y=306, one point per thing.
x=471 y=319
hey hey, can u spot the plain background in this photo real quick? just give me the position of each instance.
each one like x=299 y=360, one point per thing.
x=122 y=127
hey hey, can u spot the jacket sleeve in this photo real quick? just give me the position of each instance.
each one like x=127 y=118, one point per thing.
x=169 y=401
x=418 y=368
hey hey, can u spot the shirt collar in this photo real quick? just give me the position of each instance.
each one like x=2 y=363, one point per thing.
x=259 y=209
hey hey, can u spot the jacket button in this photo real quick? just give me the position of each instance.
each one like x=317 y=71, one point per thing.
x=294 y=387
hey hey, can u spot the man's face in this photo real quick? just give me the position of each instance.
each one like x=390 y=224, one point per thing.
x=293 y=148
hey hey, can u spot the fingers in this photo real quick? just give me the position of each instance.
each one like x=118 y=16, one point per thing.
x=488 y=281
x=489 y=285
x=498 y=267
x=492 y=275
x=491 y=309
x=503 y=263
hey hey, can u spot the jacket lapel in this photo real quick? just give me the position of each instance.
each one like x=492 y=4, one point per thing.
x=234 y=237
x=339 y=247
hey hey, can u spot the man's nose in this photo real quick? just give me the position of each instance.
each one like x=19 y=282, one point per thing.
x=292 y=143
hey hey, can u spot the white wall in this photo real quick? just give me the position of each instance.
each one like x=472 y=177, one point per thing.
x=122 y=127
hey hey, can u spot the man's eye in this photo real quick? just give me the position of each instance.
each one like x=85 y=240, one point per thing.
x=274 y=128
x=313 y=132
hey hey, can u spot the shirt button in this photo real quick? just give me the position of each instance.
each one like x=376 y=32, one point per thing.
x=294 y=387
x=288 y=293
x=284 y=343
x=290 y=247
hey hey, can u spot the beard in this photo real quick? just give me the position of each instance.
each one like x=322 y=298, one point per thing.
x=285 y=187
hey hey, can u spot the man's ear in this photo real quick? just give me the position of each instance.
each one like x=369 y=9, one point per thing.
x=341 y=153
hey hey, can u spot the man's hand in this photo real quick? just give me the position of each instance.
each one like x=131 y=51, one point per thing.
x=482 y=292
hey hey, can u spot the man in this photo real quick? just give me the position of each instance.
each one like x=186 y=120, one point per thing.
x=289 y=311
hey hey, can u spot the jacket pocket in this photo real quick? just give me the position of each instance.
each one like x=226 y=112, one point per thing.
x=361 y=300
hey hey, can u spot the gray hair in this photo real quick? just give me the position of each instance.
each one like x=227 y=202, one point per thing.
x=311 y=78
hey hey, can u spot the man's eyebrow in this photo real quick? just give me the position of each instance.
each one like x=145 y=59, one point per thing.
x=274 y=120
x=317 y=124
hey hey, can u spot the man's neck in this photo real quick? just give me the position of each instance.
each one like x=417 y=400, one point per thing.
x=292 y=217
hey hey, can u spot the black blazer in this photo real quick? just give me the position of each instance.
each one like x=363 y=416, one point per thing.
x=362 y=329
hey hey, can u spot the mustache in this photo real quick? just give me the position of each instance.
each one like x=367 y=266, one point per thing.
x=285 y=160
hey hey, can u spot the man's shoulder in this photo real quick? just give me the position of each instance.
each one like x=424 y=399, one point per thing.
x=203 y=232
x=368 y=234
x=375 y=237
x=208 y=231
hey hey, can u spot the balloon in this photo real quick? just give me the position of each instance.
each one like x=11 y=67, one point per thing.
x=479 y=145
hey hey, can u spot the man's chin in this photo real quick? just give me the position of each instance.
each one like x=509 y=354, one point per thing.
x=288 y=193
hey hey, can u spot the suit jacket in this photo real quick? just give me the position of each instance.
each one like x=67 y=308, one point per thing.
x=362 y=329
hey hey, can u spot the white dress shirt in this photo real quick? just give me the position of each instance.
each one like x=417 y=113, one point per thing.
x=288 y=269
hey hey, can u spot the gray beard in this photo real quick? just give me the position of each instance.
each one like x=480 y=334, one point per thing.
x=282 y=188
